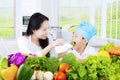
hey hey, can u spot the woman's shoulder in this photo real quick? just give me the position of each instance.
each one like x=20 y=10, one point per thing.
x=22 y=39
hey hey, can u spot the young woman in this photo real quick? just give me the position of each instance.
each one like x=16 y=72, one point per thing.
x=81 y=37
x=36 y=40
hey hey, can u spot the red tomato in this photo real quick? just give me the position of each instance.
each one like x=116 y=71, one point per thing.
x=59 y=76
x=64 y=67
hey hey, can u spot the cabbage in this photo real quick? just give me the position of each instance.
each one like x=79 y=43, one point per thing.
x=16 y=59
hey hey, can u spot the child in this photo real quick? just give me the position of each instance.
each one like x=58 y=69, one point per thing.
x=81 y=37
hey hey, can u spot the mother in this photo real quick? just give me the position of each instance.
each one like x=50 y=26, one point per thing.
x=36 y=39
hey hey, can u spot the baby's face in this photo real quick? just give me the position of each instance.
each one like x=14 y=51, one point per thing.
x=76 y=38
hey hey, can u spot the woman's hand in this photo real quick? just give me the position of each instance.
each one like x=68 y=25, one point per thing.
x=58 y=42
x=52 y=45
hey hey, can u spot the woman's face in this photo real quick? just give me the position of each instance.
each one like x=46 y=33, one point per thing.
x=78 y=40
x=42 y=32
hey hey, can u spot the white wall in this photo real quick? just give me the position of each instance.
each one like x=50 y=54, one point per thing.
x=51 y=9
x=24 y=8
x=28 y=7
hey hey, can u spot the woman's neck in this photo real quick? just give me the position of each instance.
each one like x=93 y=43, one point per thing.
x=35 y=40
x=80 y=49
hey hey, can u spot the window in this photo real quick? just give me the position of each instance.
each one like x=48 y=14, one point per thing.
x=110 y=17
x=113 y=19
x=73 y=11
x=7 y=19
x=103 y=14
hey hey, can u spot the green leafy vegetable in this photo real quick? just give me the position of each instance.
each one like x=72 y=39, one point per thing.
x=106 y=47
x=72 y=43
x=69 y=58
x=52 y=64
x=43 y=63
x=36 y=62
x=96 y=68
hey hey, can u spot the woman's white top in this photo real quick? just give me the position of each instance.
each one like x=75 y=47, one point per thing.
x=88 y=51
x=26 y=46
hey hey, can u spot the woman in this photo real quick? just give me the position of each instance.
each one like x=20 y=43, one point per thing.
x=81 y=37
x=36 y=40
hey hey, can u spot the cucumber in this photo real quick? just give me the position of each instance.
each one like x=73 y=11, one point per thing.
x=24 y=72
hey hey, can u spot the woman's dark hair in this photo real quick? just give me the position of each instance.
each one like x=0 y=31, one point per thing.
x=34 y=24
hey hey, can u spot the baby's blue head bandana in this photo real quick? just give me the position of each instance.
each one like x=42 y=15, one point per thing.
x=86 y=30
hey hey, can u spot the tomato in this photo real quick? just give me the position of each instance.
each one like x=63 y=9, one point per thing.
x=64 y=67
x=59 y=76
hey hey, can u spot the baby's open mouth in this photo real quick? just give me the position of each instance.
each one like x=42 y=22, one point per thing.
x=73 y=43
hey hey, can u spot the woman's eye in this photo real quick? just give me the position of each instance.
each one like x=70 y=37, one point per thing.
x=44 y=29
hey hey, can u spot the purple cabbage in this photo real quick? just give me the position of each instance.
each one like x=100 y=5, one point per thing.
x=16 y=59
